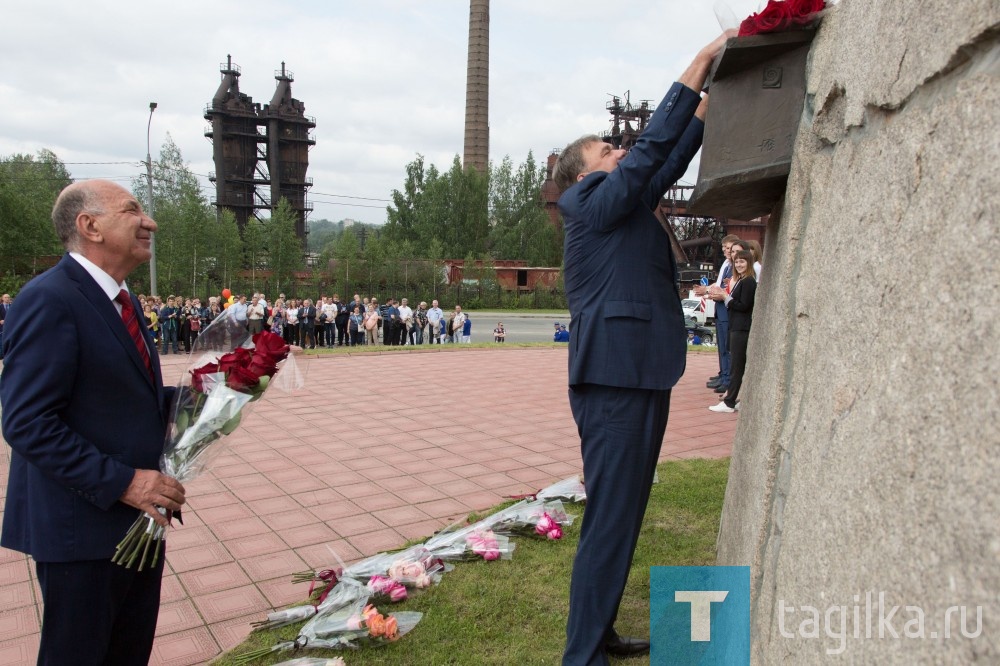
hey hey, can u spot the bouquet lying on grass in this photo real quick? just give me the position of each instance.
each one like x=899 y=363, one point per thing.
x=231 y=371
x=348 y=625
x=537 y=518
x=384 y=576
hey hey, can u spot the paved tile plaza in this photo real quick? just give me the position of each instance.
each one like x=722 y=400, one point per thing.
x=376 y=449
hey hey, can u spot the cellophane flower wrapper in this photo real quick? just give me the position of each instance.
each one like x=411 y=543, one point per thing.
x=472 y=542
x=230 y=371
x=569 y=490
x=313 y=661
x=344 y=593
x=538 y=518
x=346 y=627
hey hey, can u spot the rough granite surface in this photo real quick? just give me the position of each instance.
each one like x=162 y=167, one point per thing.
x=866 y=457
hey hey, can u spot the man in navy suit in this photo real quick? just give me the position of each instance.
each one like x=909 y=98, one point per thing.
x=4 y=308
x=627 y=344
x=85 y=412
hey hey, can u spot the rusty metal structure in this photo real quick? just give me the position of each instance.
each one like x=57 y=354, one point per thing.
x=627 y=120
x=261 y=154
x=477 y=88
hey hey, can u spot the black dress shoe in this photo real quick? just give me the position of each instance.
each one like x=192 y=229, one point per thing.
x=722 y=389
x=626 y=646
x=712 y=384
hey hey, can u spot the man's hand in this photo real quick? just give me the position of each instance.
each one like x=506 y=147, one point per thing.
x=696 y=73
x=150 y=489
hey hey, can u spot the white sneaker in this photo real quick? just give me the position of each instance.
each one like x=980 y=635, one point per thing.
x=738 y=406
x=722 y=407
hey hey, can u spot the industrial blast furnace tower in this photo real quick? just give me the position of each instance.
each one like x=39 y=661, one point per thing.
x=477 y=88
x=260 y=154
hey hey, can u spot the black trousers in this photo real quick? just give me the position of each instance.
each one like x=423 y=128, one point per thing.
x=738 y=350
x=621 y=432
x=97 y=612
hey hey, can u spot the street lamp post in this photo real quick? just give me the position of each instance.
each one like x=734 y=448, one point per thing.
x=149 y=189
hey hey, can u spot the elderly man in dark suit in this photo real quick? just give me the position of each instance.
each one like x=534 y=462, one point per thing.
x=627 y=344
x=85 y=412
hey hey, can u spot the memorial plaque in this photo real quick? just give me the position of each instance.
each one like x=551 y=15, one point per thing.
x=757 y=88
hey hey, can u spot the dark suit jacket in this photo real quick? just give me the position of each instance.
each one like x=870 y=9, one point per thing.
x=741 y=306
x=627 y=326
x=80 y=413
x=307 y=316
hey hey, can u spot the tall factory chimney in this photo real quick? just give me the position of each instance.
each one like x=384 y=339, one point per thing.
x=477 y=88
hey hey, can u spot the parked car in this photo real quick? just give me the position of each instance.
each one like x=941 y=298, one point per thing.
x=706 y=334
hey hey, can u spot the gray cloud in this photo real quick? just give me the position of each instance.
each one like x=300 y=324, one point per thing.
x=385 y=79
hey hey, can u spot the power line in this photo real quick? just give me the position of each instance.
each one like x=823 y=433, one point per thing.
x=41 y=163
x=347 y=196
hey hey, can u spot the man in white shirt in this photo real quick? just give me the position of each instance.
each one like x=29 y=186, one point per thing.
x=720 y=382
x=255 y=315
x=406 y=319
x=458 y=324
x=434 y=316
x=330 y=310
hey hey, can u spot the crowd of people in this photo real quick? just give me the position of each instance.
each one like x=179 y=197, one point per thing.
x=734 y=291
x=326 y=322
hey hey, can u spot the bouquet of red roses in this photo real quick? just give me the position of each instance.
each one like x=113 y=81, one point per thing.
x=781 y=15
x=208 y=405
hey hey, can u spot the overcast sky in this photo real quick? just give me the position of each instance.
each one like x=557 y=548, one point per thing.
x=385 y=79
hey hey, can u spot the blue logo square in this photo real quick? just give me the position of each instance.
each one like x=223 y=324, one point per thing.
x=699 y=615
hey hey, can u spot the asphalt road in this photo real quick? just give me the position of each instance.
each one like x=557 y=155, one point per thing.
x=520 y=327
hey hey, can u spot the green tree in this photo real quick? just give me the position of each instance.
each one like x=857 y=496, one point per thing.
x=520 y=227
x=253 y=248
x=284 y=250
x=187 y=225
x=403 y=213
x=228 y=248
x=29 y=186
x=346 y=251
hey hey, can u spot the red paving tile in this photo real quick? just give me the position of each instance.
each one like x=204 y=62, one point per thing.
x=17 y=622
x=185 y=648
x=272 y=507
x=177 y=616
x=228 y=604
x=21 y=651
x=16 y=596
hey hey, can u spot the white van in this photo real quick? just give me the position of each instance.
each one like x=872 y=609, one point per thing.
x=702 y=309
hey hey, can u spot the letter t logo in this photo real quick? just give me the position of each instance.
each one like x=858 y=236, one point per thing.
x=701 y=610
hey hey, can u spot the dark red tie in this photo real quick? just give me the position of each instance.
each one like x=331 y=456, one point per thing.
x=132 y=324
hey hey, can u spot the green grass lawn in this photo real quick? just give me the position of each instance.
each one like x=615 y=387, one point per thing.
x=514 y=612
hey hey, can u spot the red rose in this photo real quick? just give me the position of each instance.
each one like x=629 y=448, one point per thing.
x=242 y=379
x=777 y=15
x=262 y=365
x=780 y=15
x=802 y=10
x=198 y=376
x=238 y=358
x=270 y=345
